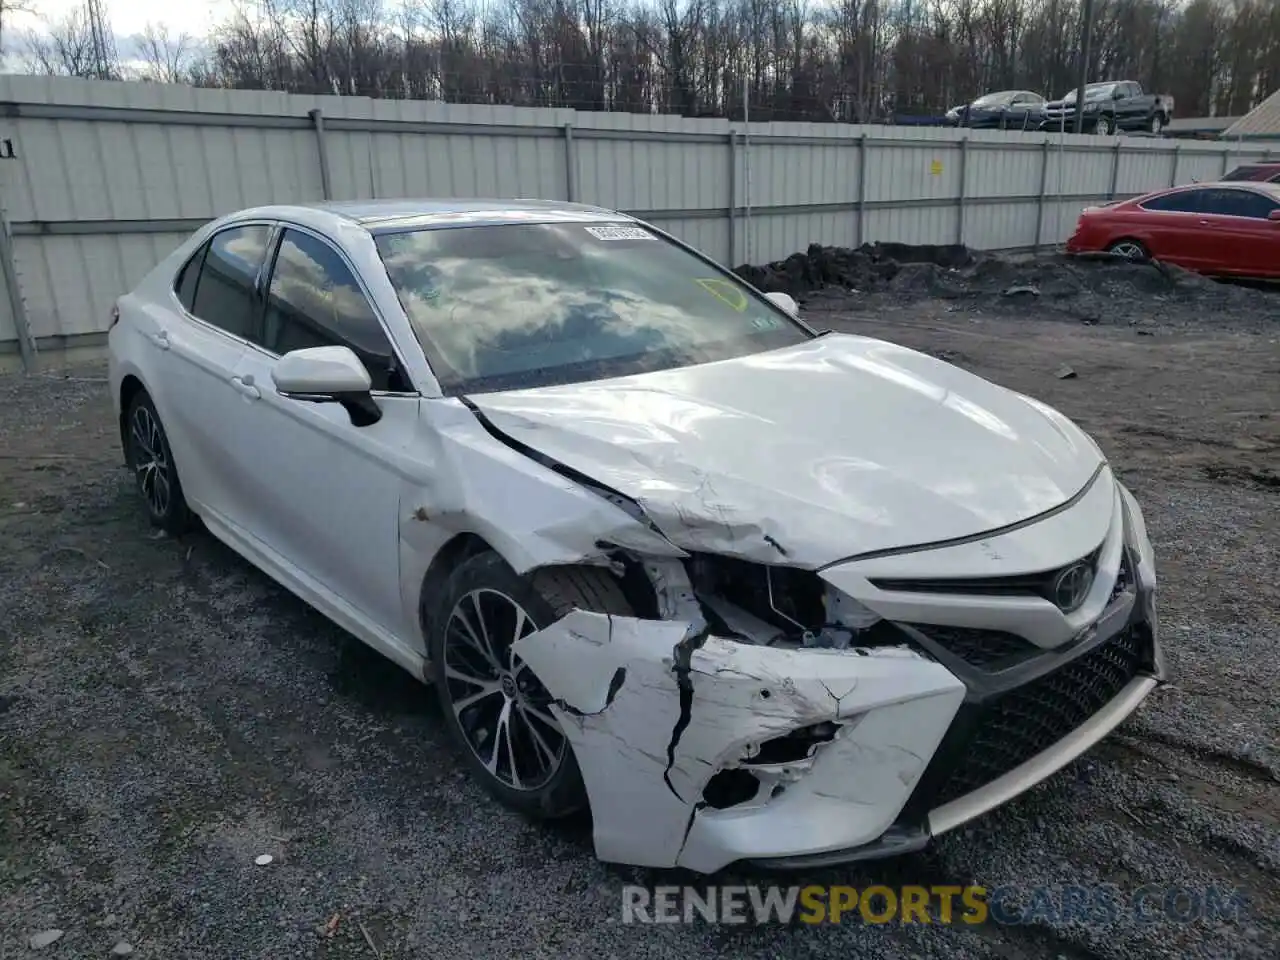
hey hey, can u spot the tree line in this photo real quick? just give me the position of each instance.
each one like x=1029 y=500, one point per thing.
x=838 y=60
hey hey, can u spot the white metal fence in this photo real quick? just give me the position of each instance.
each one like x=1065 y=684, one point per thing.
x=98 y=180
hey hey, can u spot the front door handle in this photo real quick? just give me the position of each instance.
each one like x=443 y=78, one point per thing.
x=244 y=386
x=160 y=339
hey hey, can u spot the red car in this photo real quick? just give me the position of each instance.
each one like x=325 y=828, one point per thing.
x=1265 y=171
x=1222 y=229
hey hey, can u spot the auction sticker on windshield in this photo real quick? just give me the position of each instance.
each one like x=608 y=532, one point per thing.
x=618 y=232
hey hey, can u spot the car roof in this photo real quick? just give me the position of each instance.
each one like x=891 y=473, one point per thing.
x=1272 y=190
x=381 y=216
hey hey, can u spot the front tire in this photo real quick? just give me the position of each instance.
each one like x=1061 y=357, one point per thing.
x=1105 y=127
x=495 y=708
x=147 y=453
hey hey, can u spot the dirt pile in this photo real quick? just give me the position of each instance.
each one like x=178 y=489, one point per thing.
x=1090 y=285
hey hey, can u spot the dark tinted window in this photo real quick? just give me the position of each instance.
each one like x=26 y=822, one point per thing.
x=1251 y=171
x=185 y=287
x=224 y=295
x=1185 y=201
x=528 y=305
x=315 y=301
x=1237 y=203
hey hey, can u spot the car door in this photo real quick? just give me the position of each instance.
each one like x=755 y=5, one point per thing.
x=326 y=493
x=1025 y=111
x=1237 y=231
x=200 y=346
x=1131 y=109
x=1169 y=226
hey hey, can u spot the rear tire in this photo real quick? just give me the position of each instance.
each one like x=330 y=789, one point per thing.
x=1130 y=249
x=496 y=710
x=1156 y=124
x=147 y=453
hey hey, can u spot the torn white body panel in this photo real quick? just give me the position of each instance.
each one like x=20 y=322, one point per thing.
x=797 y=456
x=653 y=712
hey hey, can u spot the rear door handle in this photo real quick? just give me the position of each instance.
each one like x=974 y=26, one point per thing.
x=244 y=386
x=160 y=339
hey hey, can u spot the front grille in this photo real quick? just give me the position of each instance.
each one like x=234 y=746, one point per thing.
x=981 y=648
x=988 y=740
x=1043 y=584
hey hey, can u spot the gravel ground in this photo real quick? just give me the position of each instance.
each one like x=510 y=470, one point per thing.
x=167 y=714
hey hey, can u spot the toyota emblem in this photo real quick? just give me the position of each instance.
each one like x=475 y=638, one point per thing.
x=1072 y=586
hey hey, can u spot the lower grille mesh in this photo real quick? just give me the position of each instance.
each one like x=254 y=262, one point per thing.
x=1000 y=735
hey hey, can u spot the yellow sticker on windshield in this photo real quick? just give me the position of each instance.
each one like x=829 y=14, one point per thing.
x=726 y=292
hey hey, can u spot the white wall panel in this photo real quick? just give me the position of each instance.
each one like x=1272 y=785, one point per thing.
x=107 y=177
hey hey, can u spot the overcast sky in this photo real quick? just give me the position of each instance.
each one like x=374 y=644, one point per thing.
x=129 y=17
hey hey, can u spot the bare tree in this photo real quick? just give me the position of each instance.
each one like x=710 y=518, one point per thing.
x=797 y=59
x=66 y=48
x=168 y=58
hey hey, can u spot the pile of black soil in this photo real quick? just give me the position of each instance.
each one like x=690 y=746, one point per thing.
x=1090 y=287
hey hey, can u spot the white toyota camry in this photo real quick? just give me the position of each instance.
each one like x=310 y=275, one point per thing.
x=745 y=590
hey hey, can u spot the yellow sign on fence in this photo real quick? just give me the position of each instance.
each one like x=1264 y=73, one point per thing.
x=935 y=168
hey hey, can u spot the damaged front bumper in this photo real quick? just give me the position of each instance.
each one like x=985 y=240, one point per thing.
x=698 y=751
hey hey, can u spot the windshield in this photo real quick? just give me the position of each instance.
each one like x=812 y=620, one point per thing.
x=534 y=304
x=993 y=100
x=1094 y=91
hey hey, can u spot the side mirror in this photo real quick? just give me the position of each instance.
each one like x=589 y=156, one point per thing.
x=1117 y=94
x=784 y=301
x=328 y=375
x=1274 y=216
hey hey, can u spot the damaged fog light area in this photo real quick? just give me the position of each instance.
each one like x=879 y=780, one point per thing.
x=784 y=606
x=764 y=774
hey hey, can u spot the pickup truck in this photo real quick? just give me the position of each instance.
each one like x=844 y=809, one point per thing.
x=1109 y=108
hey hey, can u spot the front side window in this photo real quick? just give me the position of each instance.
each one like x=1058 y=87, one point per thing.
x=528 y=305
x=225 y=295
x=313 y=300
x=1237 y=203
x=994 y=100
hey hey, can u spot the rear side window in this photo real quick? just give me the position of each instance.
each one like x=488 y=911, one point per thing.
x=225 y=295
x=1249 y=171
x=315 y=301
x=1242 y=173
x=185 y=287
x=1185 y=201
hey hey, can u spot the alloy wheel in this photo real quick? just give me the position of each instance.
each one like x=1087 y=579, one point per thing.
x=150 y=462
x=502 y=708
x=1129 y=250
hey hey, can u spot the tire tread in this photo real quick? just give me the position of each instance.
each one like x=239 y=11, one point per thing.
x=593 y=589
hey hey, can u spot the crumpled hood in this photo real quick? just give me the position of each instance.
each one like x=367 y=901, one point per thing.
x=810 y=454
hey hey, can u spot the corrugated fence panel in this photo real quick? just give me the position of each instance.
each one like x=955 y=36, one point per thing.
x=931 y=224
x=992 y=225
x=103 y=267
x=107 y=177
x=709 y=235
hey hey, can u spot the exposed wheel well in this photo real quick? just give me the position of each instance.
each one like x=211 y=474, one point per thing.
x=633 y=584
